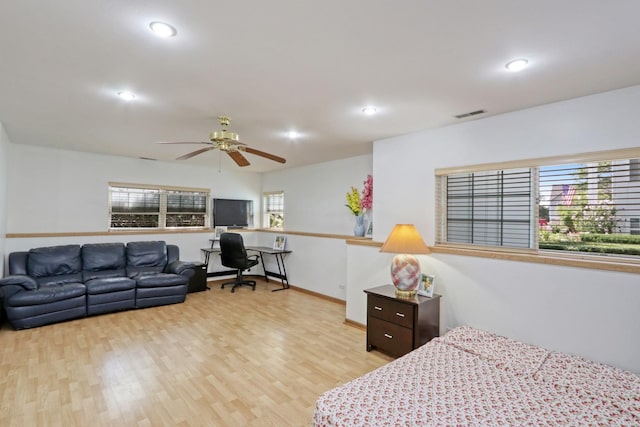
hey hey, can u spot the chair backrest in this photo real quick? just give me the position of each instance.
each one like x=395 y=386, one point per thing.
x=232 y=251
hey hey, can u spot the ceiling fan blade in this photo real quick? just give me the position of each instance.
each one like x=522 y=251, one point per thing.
x=238 y=158
x=265 y=155
x=184 y=142
x=195 y=153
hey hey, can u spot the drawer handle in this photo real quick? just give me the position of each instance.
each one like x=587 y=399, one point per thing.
x=377 y=308
x=389 y=336
x=400 y=314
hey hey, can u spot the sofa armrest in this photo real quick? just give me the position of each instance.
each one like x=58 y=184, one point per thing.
x=26 y=282
x=180 y=267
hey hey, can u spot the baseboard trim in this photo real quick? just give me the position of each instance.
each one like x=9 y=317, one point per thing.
x=355 y=324
x=319 y=295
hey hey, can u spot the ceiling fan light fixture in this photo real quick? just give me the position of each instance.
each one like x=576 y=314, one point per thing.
x=369 y=111
x=224 y=135
x=162 y=29
x=517 y=65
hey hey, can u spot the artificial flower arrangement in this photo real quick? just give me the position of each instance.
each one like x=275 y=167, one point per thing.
x=358 y=203
x=354 y=202
x=367 y=193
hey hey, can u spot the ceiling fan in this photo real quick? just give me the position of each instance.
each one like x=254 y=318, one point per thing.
x=228 y=142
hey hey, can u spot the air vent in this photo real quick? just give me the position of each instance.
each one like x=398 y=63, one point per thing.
x=472 y=113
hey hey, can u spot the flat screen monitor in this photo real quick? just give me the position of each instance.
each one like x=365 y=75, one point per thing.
x=231 y=213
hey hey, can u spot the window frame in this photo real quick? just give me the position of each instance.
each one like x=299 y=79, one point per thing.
x=163 y=191
x=578 y=259
x=266 y=212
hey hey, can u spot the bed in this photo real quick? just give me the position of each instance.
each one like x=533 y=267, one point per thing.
x=473 y=377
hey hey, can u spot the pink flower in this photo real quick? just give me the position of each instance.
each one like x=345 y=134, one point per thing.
x=367 y=193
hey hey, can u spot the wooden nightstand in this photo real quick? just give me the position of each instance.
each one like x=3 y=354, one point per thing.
x=398 y=325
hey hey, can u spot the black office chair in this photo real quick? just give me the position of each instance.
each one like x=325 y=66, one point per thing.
x=234 y=255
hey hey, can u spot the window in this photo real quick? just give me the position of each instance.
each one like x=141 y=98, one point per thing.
x=490 y=208
x=145 y=206
x=589 y=205
x=274 y=210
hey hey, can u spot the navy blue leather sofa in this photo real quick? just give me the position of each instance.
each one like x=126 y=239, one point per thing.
x=52 y=284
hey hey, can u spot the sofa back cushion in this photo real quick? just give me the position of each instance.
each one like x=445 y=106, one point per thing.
x=100 y=260
x=55 y=265
x=146 y=257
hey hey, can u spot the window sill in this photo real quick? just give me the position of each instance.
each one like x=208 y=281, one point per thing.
x=624 y=265
x=548 y=257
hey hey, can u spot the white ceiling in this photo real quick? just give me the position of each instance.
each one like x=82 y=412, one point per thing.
x=306 y=65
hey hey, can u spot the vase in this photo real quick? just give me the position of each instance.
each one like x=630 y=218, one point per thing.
x=359 y=229
x=368 y=223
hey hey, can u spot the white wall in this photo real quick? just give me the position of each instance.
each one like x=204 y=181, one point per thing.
x=58 y=191
x=315 y=196
x=4 y=178
x=63 y=191
x=317 y=264
x=314 y=201
x=587 y=312
x=44 y=180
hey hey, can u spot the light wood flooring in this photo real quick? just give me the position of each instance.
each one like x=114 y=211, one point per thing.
x=220 y=359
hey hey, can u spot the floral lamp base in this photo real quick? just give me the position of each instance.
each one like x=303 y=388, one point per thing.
x=405 y=275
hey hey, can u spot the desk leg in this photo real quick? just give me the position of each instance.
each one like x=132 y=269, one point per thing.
x=264 y=269
x=283 y=273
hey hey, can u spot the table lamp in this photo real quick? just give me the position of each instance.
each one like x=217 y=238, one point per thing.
x=405 y=241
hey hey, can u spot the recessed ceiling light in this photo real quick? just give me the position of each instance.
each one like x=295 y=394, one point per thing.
x=292 y=134
x=126 y=95
x=162 y=29
x=369 y=111
x=517 y=64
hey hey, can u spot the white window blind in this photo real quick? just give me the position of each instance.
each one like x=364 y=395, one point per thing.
x=592 y=206
x=157 y=207
x=491 y=208
x=134 y=207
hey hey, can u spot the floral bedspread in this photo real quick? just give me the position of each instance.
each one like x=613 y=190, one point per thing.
x=475 y=378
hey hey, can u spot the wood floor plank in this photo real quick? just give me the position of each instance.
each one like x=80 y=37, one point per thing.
x=220 y=359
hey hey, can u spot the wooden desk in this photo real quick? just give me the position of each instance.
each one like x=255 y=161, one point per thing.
x=262 y=250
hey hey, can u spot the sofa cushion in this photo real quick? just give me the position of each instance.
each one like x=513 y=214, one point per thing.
x=103 y=260
x=147 y=254
x=109 y=284
x=59 y=280
x=54 y=261
x=160 y=280
x=146 y=257
x=47 y=295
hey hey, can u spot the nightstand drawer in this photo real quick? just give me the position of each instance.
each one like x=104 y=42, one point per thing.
x=389 y=337
x=390 y=310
